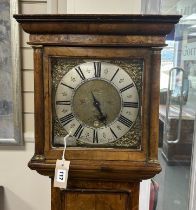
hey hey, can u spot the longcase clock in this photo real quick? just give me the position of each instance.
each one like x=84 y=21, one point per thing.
x=97 y=76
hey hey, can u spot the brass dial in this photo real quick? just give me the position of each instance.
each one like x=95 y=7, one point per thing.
x=97 y=101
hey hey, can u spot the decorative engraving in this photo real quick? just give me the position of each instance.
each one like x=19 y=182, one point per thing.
x=60 y=67
x=131 y=139
x=134 y=67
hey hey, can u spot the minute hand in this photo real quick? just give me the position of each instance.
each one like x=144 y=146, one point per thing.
x=97 y=105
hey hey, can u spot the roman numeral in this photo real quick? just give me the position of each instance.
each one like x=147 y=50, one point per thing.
x=125 y=121
x=130 y=104
x=63 y=102
x=67 y=85
x=113 y=133
x=114 y=74
x=78 y=131
x=97 y=67
x=79 y=71
x=95 y=136
x=126 y=87
x=66 y=119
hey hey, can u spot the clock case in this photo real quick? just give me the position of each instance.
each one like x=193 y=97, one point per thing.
x=98 y=37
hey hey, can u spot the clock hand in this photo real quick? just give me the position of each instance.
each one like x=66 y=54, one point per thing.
x=96 y=103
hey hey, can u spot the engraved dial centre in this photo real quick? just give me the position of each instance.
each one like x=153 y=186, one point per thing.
x=96 y=100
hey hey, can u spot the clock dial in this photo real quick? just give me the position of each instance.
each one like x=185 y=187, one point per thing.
x=97 y=101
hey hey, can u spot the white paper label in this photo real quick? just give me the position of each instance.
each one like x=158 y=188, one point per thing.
x=61 y=174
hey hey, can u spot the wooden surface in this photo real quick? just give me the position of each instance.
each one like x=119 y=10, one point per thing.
x=97 y=40
x=39 y=98
x=98 y=24
x=97 y=174
x=96 y=195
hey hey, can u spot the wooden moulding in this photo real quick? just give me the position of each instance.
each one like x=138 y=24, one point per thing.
x=96 y=40
x=98 y=24
x=94 y=170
